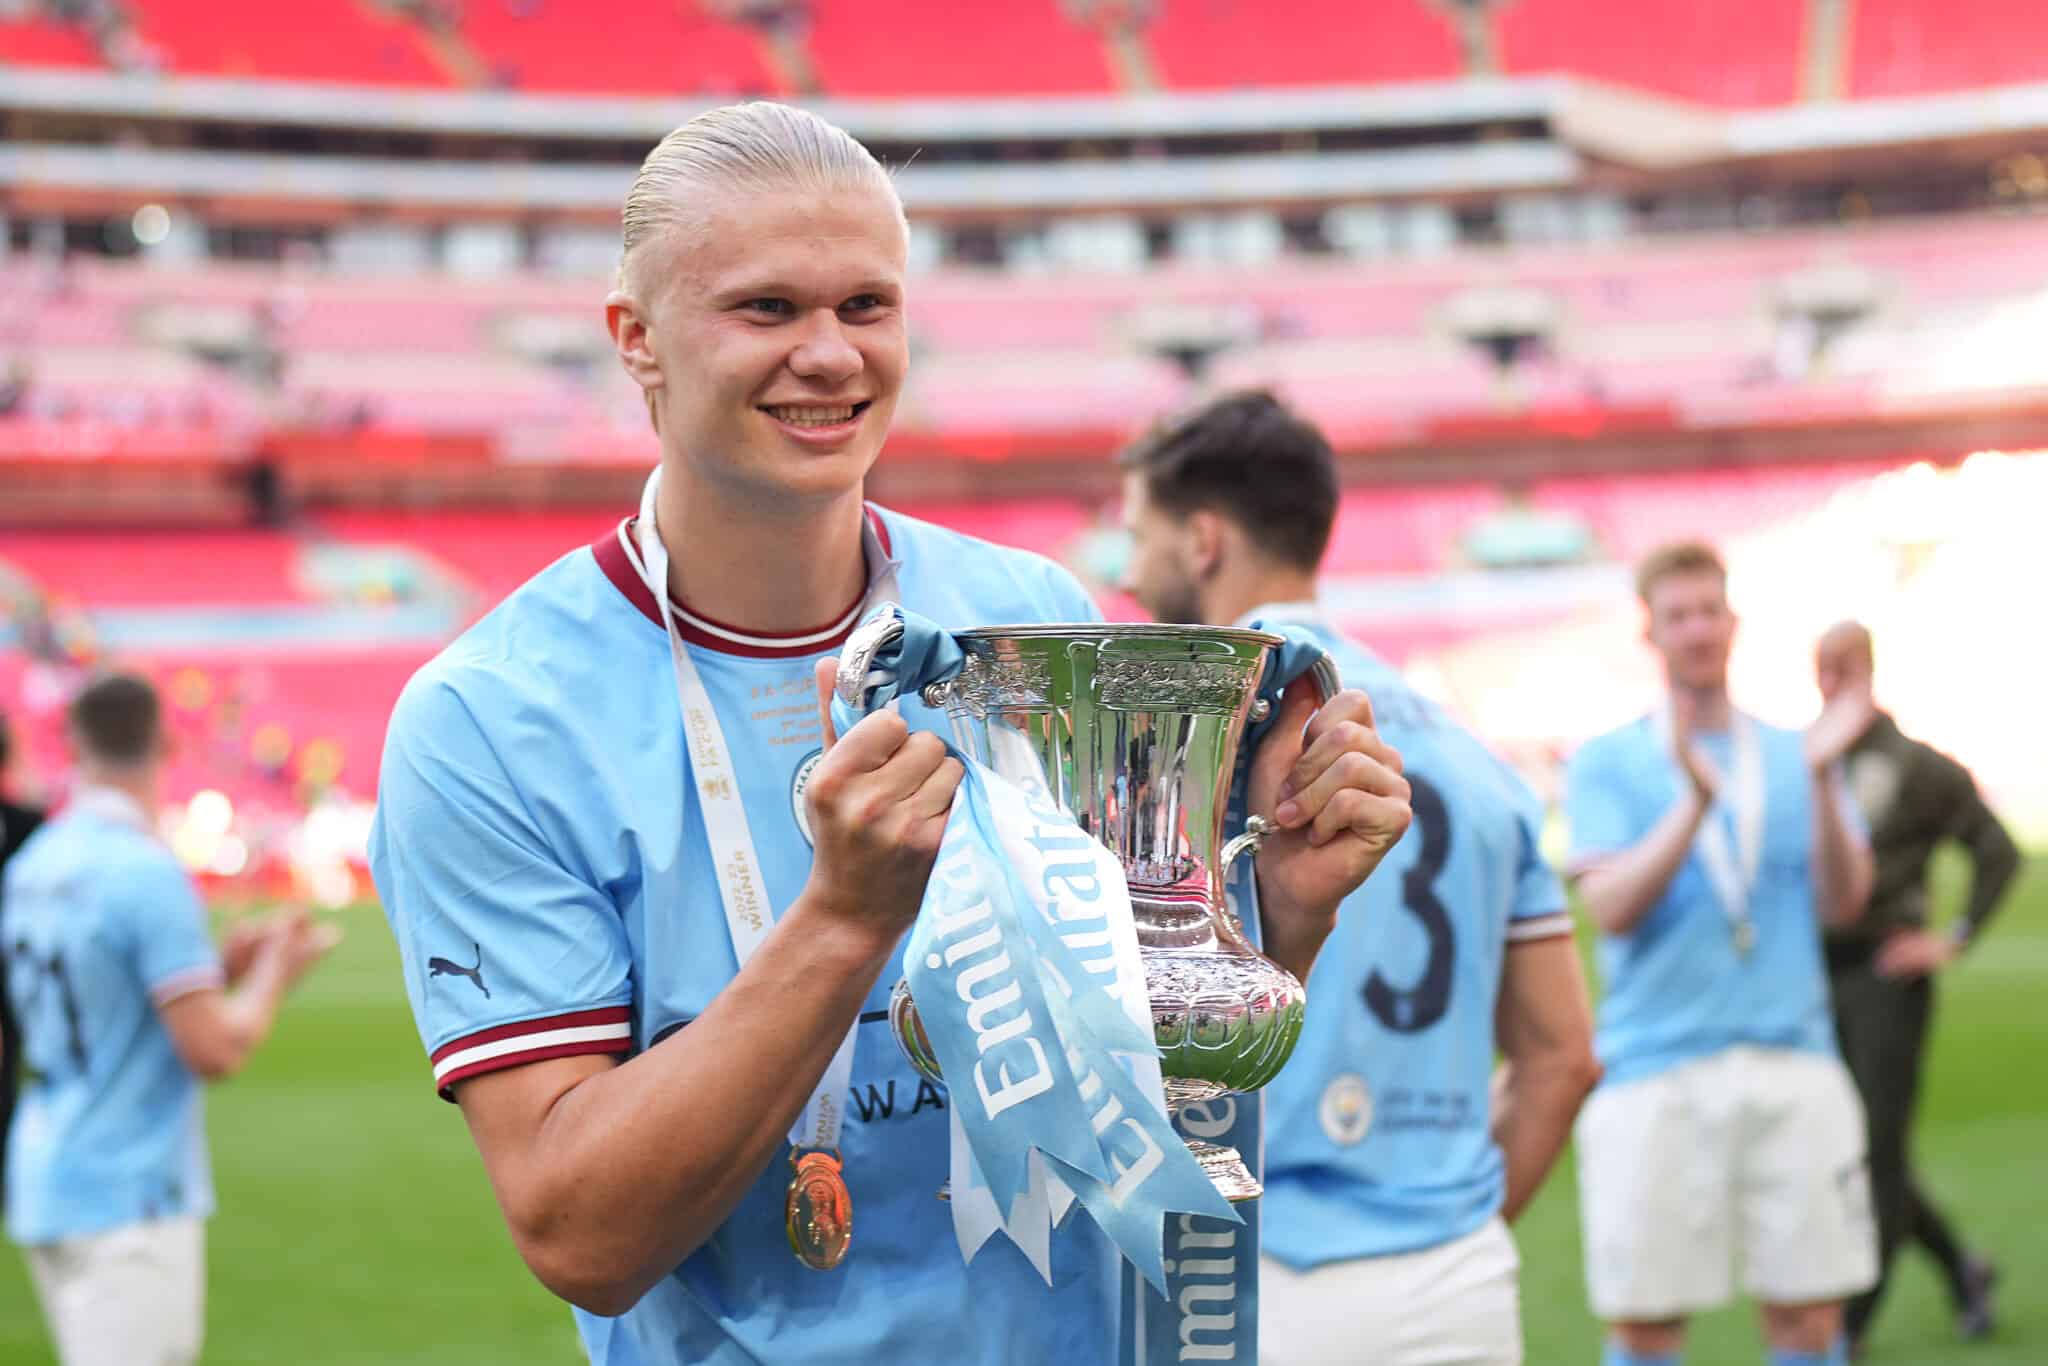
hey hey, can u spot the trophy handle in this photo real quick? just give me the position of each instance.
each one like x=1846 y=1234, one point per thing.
x=1323 y=674
x=858 y=676
x=1255 y=831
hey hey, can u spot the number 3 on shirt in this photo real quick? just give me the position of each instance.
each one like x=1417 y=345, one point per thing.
x=1413 y=1009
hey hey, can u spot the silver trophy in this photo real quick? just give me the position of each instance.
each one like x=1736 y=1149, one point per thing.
x=1135 y=730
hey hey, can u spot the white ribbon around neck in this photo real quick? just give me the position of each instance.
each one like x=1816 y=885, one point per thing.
x=741 y=887
x=1738 y=806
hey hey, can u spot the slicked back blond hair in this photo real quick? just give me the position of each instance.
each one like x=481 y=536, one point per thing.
x=755 y=146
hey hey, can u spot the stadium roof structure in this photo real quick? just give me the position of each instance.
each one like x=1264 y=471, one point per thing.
x=81 y=139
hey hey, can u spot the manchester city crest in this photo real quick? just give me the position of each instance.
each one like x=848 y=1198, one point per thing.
x=797 y=785
x=1346 y=1109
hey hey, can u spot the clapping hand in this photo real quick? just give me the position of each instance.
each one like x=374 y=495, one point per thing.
x=1697 y=767
x=1846 y=716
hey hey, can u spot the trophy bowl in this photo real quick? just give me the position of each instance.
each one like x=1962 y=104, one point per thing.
x=1134 y=730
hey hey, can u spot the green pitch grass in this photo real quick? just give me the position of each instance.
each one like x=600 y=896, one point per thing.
x=356 y=1226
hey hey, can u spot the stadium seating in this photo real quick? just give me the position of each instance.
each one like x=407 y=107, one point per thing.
x=640 y=49
x=1913 y=47
x=1735 y=53
x=1742 y=53
x=1226 y=44
x=1633 y=514
x=44 y=42
x=870 y=48
x=1689 y=328
x=493 y=553
x=99 y=570
x=307 y=40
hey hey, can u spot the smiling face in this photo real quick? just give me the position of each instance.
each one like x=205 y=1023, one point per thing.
x=768 y=326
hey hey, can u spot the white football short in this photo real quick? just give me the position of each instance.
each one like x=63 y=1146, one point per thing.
x=1458 y=1304
x=1754 y=1155
x=131 y=1296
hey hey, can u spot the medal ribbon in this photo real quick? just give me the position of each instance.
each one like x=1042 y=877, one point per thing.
x=742 y=890
x=1738 y=806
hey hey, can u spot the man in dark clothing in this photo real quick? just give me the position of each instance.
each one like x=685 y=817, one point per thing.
x=1882 y=968
x=17 y=823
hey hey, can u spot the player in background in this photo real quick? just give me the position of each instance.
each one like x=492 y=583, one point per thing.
x=1881 y=969
x=634 y=972
x=120 y=995
x=18 y=820
x=1391 y=1172
x=1710 y=849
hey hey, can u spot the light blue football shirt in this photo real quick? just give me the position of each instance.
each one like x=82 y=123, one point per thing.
x=1377 y=1130
x=1676 y=987
x=544 y=865
x=101 y=927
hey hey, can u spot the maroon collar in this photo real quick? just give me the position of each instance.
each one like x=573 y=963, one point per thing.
x=698 y=629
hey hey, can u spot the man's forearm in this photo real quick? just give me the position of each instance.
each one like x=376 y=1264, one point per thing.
x=1620 y=889
x=1534 y=1104
x=1994 y=860
x=1293 y=941
x=635 y=1167
x=1843 y=868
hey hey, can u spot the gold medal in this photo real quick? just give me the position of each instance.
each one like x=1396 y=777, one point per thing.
x=818 y=1211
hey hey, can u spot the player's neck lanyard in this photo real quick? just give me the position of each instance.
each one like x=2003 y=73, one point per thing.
x=1738 y=808
x=747 y=913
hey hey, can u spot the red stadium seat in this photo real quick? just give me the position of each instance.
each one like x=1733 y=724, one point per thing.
x=308 y=40
x=100 y=569
x=645 y=49
x=940 y=47
x=39 y=42
x=1733 y=53
x=1224 y=44
x=1913 y=47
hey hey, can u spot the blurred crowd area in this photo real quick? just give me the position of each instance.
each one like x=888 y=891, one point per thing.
x=302 y=363
x=279 y=670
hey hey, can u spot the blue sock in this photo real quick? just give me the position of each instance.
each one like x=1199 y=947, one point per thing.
x=1837 y=1355
x=1618 y=1355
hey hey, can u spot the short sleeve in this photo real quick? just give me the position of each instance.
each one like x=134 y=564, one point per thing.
x=1073 y=602
x=1596 y=805
x=1540 y=910
x=164 y=923
x=509 y=957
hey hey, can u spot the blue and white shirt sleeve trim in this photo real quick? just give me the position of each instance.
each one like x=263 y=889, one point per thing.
x=1540 y=927
x=199 y=977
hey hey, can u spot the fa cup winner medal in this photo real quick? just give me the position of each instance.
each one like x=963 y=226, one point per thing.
x=818 y=1210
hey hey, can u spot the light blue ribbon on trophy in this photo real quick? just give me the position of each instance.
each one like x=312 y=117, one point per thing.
x=1035 y=1009
x=1209 y=1308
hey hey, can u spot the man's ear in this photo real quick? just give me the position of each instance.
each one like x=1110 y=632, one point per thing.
x=632 y=334
x=1206 y=534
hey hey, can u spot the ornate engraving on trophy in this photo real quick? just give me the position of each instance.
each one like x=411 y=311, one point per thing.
x=987 y=684
x=1181 y=685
